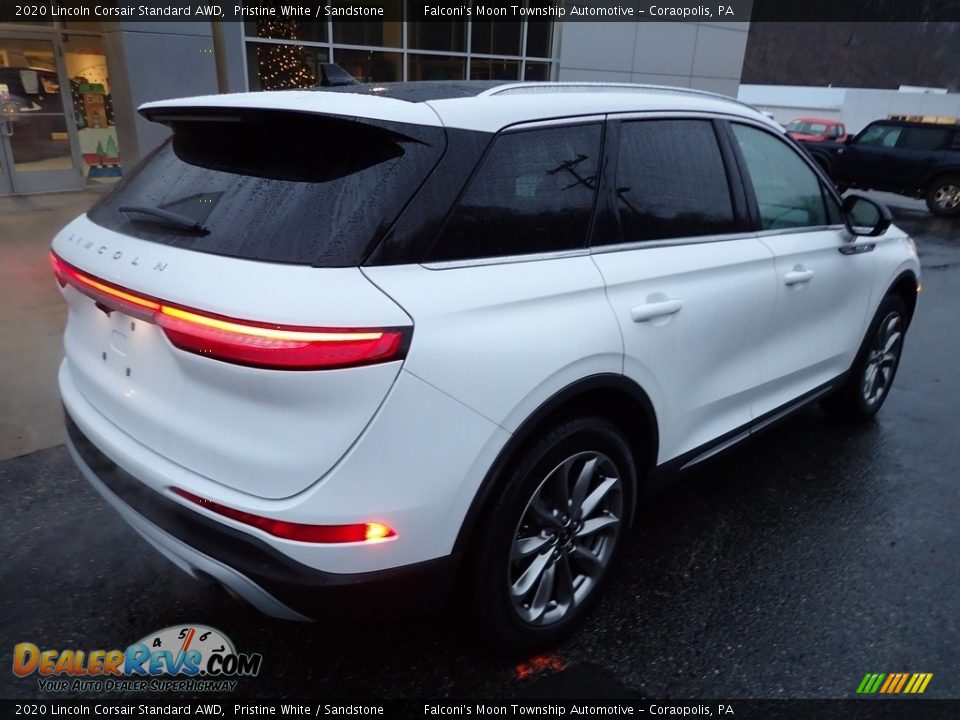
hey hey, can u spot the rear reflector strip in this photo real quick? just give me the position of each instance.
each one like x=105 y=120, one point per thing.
x=357 y=532
x=243 y=342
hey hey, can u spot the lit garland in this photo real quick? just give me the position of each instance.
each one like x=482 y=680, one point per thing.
x=281 y=66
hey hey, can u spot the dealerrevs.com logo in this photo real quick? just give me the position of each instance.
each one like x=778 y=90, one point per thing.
x=181 y=658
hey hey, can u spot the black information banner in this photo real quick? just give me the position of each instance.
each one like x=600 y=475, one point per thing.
x=695 y=709
x=45 y=11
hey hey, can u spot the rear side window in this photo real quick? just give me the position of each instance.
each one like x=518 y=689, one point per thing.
x=788 y=191
x=534 y=192
x=671 y=181
x=279 y=187
x=916 y=138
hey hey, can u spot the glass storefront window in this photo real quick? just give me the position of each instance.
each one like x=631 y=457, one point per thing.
x=538 y=71
x=37 y=54
x=540 y=33
x=494 y=69
x=495 y=37
x=424 y=50
x=381 y=33
x=282 y=66
x=86 y=61
x=34 y=119
x=370 y=65
x=281 y=29
x=436 y=67
x=439 y=35
x=82 y=26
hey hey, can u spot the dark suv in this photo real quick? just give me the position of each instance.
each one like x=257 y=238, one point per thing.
x=920 y=160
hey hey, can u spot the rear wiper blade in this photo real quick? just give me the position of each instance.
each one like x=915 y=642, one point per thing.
x=170 y=218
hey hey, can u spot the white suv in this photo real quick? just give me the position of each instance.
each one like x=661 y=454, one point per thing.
x=365 y=345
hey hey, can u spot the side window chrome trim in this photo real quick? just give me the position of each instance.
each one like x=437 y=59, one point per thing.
x=624 y=247
x=682 y=115
x=505 y=259
x=797 y=230
x=552 y=122
x=671 y=242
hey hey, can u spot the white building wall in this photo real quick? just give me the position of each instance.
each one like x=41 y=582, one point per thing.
x=862 y=106
x=154 y=61
x=705 y=56
x=856 y=107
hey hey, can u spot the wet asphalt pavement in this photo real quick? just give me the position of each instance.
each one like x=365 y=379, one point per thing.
x=790 y=568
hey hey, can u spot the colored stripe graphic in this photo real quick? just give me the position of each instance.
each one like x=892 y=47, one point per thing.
x=894 y=683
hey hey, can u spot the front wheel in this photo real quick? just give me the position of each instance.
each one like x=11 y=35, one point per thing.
x=875 y=366
x=943 y=196
x=548 y=544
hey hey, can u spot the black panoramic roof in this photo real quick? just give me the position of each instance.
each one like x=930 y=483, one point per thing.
x=420 y=90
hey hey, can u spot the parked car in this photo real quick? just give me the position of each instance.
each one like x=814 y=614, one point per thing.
x=372 y=345
x=816 y=130
x=915 y=159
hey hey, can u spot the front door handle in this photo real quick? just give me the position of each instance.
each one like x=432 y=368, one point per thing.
x=796 y=277
x=651 y=310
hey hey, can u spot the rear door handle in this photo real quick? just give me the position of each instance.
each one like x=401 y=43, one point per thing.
x=651 y=310
x=795 y=277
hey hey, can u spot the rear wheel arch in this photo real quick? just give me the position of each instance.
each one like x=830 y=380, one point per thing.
x=613 y=397
x=939 y=174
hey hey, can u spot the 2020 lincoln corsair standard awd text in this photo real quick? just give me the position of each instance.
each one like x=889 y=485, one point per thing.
x=438 y=335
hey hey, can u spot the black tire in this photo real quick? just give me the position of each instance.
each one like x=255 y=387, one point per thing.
x=513 y=621
x=943 y=196
x=874 y=369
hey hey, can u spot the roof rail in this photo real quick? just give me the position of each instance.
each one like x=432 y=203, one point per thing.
x=587 y=86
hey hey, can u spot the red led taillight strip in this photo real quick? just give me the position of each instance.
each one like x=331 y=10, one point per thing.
x=243 y=342
x=357 y=532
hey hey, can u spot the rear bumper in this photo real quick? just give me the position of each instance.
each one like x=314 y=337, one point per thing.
x=269 y=580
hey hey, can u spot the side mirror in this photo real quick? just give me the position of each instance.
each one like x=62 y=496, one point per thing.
x=864 y=216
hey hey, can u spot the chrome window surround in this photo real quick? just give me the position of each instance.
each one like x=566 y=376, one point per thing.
x=639 y=244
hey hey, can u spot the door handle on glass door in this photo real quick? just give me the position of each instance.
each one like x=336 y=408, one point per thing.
x=795 y=277
x=659 y=308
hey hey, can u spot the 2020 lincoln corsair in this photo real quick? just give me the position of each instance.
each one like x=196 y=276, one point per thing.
x=372 y=343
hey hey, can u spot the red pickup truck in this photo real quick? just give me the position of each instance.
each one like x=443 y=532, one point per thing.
x=816 y=130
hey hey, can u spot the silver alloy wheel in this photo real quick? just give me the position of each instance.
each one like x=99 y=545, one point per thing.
x=565 y=538
x=947 y=197
x=882 y=359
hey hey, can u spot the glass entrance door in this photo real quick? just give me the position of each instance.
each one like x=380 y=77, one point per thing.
x=38 y=151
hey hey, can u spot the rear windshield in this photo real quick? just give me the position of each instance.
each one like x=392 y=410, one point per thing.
x=275 y=186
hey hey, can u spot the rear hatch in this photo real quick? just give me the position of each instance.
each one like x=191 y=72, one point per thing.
x=217 y=312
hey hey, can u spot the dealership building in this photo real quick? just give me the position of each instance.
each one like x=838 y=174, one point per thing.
x=69 y=89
